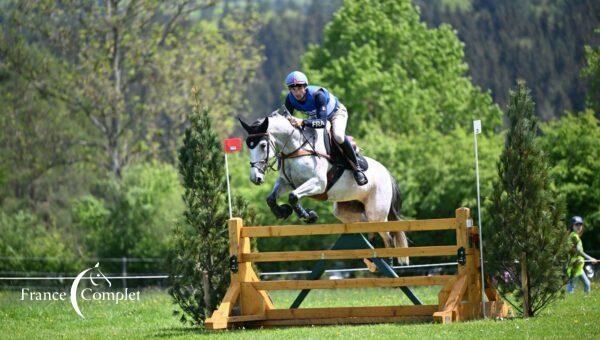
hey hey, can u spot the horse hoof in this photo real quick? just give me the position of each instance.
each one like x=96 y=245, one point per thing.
x=312 y=217
x=284 y=211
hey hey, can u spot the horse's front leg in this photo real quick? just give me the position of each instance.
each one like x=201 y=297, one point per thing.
x=313 y=186
x=280 y=211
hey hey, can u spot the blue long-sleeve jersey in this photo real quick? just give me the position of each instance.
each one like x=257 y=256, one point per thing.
x=319 y=105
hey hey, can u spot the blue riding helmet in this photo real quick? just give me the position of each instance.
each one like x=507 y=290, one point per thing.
x=296 y=78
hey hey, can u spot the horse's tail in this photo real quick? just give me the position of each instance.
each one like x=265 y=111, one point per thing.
x=399 y=237
x=396 y=202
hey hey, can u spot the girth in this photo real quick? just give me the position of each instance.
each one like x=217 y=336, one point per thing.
x=332 y=175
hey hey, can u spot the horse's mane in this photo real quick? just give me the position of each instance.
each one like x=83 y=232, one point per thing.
x=274 y=113
x=259 y=121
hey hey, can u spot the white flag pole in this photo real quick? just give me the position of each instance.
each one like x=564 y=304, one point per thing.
x=476 y=131
x=228 y=188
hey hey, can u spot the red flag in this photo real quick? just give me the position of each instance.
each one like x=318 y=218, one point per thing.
x=232 y=144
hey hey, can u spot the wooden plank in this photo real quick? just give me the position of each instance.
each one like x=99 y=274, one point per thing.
x=246 y=318
x=348 y=254
x=350 y=312
x=219 y=318
x=338 y=321
x=350 y=228
x=437 y=280
x=445 y=292
x=457 y=293
x=450 y=312
x=336 y=315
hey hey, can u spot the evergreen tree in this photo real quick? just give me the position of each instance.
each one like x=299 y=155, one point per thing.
x=525 y=216
x=199 y=264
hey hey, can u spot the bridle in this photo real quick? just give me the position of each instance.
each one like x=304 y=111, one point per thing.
x=263 y=165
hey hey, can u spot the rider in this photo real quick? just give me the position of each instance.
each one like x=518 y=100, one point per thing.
x=320 y=105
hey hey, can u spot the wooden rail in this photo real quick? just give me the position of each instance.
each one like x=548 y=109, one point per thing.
x=349 y=228
x=459 y=298
x=437 y=280
x=306 y=255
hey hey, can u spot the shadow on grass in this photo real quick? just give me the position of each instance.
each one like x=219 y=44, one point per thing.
x=169 y=332
x=179 y=331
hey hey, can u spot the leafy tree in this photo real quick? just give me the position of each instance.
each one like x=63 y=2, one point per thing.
x=526 y=216
x=435 y=171
x=199 y=265
x=573 y=147
x=126 y=67
x=386 y=66
x=36 y=134
x=289 y=26
x=136 y=216
x=407 y=95
x=28 y=245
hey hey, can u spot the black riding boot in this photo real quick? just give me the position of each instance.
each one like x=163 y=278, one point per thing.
x=359 y=176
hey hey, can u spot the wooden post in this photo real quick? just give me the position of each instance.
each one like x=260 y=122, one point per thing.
x=462 y=215
x=252 y=301
x=474 y=292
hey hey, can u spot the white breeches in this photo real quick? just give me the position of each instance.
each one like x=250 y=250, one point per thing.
x=338 y=123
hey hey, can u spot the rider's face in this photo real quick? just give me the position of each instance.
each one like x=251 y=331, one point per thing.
x=298 y=91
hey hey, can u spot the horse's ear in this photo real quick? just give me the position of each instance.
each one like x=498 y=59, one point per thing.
x=245 y=126
x=264 y=125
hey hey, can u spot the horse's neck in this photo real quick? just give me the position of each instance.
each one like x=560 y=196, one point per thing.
x=289 y=139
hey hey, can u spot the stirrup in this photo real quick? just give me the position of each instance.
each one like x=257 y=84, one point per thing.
x=360 y=178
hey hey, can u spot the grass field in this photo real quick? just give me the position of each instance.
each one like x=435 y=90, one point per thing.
x=577 y=316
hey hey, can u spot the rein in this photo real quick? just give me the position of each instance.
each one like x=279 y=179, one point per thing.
x=299 y=152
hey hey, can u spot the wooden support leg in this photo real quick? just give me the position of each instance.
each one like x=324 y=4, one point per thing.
x=218 y=319
x=450 y=312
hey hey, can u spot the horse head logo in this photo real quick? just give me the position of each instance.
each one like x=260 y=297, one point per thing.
x=94 y=273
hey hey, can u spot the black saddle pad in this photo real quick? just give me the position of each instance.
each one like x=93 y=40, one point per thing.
x=338 y=159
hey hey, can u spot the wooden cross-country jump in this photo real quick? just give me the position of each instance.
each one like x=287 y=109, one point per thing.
x=247 y=303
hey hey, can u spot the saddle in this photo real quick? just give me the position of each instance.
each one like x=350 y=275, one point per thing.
x=339 y=162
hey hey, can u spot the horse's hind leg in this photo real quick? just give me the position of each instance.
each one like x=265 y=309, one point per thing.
x=349 y=212
x=377 y=210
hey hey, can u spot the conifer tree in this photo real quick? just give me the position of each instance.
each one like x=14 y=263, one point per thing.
x=199 y=263
x=525 y=245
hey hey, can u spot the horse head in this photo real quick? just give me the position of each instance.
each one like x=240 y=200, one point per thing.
x=98 y=275
x=261 y=146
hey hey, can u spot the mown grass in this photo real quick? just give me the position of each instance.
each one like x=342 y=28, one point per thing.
x=577 y=316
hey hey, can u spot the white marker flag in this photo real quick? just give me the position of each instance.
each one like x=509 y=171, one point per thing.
x=477 y=126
